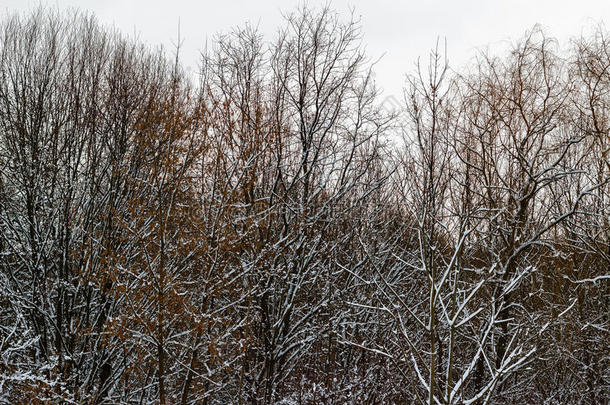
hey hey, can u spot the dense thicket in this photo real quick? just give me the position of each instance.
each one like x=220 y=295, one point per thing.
x=270 y=234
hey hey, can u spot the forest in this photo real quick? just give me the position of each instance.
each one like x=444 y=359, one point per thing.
x=265 y=232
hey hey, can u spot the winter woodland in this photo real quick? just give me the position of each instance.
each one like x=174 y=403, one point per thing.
x=265 y=232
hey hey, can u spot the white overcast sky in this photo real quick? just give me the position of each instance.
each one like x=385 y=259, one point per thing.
x=397 y=31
